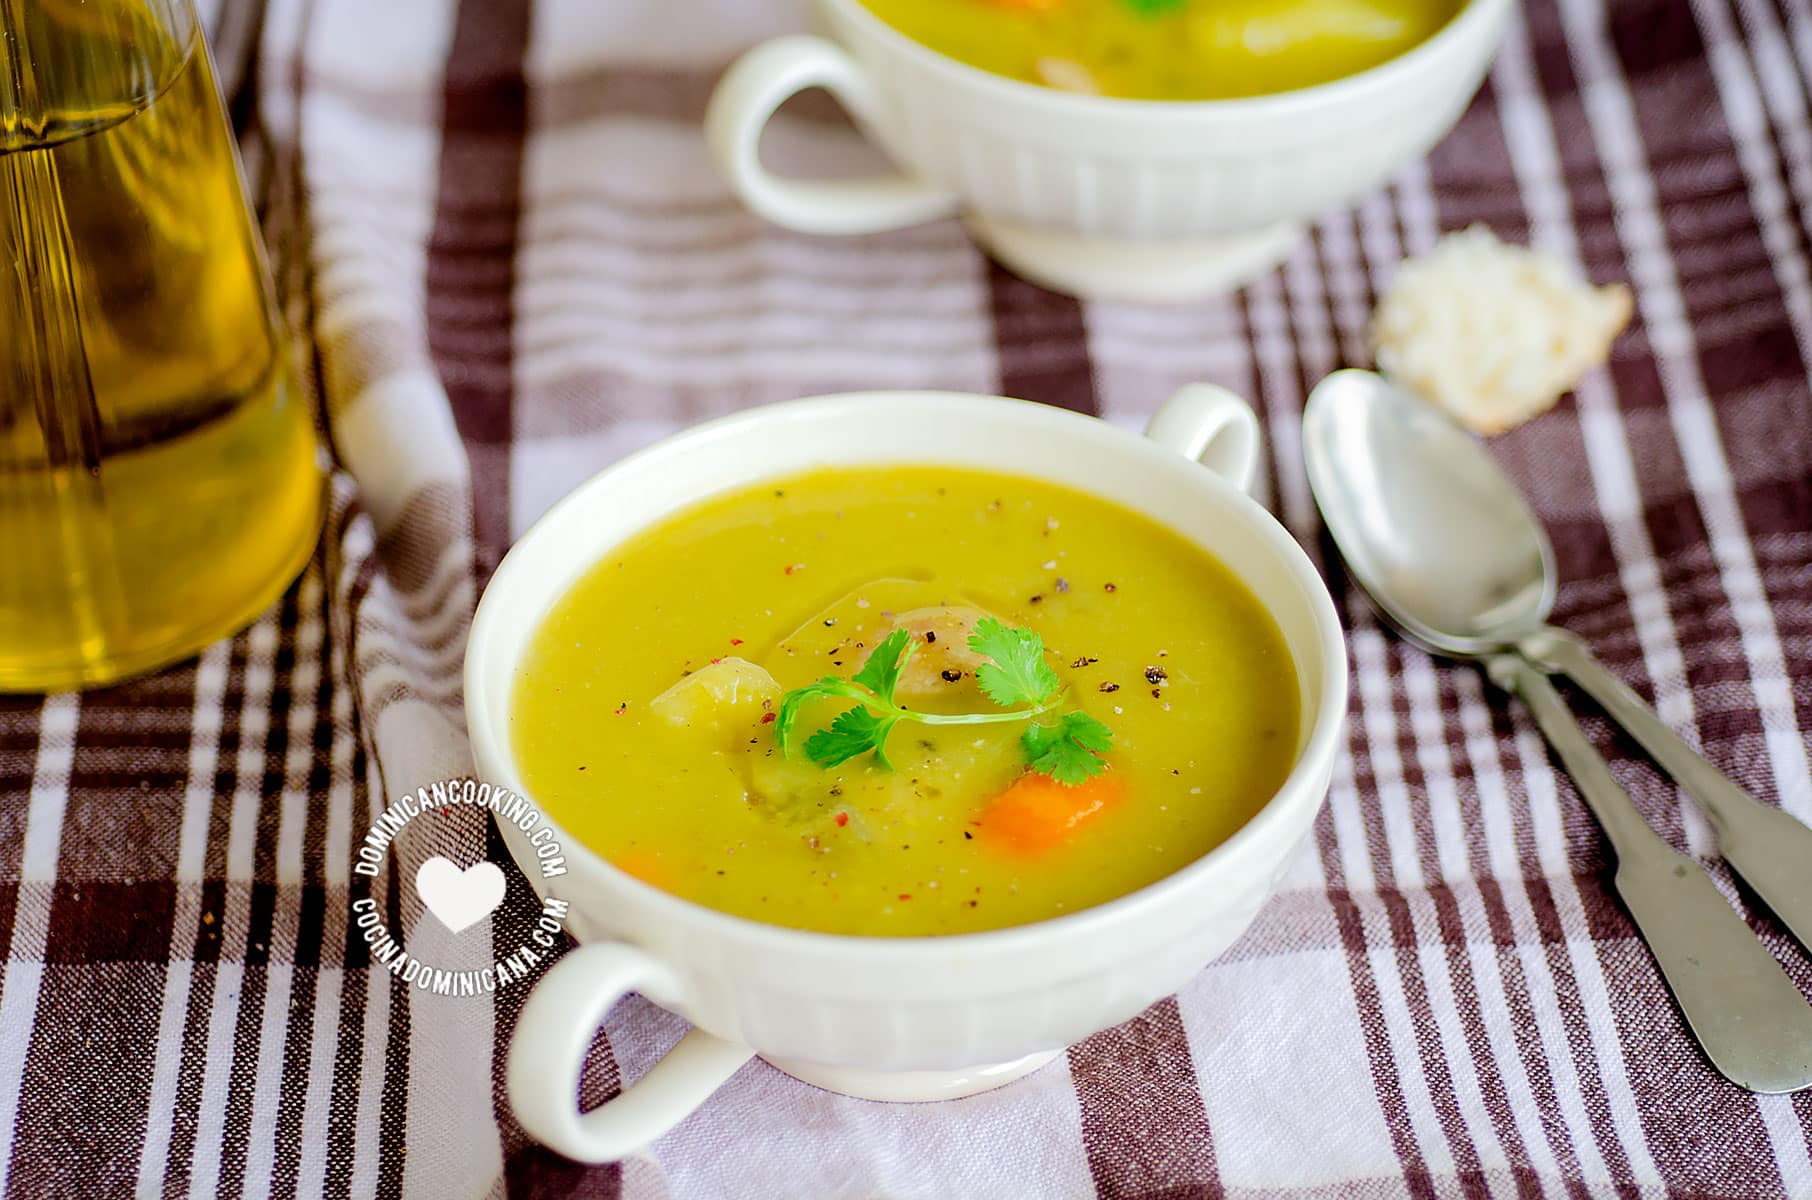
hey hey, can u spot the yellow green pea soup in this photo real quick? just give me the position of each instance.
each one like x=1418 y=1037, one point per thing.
x=643 y=715
x=1170 y=49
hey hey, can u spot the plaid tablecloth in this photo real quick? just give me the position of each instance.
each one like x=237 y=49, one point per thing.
x=509 y=262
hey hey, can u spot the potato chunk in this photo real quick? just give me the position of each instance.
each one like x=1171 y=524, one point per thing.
x=727 y=696
x=942 y=663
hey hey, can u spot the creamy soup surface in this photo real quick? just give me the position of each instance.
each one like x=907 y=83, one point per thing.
x=1170 y=49
x=644 y=717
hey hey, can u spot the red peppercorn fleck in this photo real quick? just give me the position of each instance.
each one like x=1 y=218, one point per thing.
x=767 y=718
x=841 y=819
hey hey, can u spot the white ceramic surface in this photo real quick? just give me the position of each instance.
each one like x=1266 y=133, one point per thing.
x=890 y=1018
x=1103 y=197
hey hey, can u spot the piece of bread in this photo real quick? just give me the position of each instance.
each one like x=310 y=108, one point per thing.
x=1493 y=333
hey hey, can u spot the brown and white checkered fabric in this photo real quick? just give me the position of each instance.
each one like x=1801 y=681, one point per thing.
x=509 y=261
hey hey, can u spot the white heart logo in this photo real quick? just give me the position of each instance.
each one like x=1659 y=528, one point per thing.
x=460 y=899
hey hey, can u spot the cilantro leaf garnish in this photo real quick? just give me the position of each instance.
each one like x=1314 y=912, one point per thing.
x=881 y=673
x=825 y=688
x=1069 y=751
x=855 y=731
x=1018 y=673
x=1153 y=8
x=1016 y=677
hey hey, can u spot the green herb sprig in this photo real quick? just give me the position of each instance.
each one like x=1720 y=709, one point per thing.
x=1069 y=751
x=1016 y=677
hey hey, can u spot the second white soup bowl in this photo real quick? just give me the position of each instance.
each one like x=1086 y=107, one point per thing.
x=890 y=1018
x=1102 y=197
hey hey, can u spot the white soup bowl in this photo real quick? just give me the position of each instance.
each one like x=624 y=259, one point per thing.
x=1097 y=196
x=881 y=1017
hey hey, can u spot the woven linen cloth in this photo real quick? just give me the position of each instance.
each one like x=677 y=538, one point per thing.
x=508 y=261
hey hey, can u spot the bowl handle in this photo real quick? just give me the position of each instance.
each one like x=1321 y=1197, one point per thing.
x=1213 y=426
x=746 y=98
x=555 y=1032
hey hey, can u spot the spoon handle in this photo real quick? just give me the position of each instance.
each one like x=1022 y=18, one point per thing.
x=1751 y=1020
x=1767 y=847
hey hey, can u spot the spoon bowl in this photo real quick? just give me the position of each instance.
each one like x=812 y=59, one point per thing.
x=1427 y=522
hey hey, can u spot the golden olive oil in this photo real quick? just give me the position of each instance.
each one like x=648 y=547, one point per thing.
x=159 y=477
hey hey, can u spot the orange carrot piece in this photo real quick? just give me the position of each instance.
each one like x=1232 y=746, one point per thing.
x=1036 y=814
x=645 y=866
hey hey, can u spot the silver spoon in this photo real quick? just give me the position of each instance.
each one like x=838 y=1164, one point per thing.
x=1440 y=539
